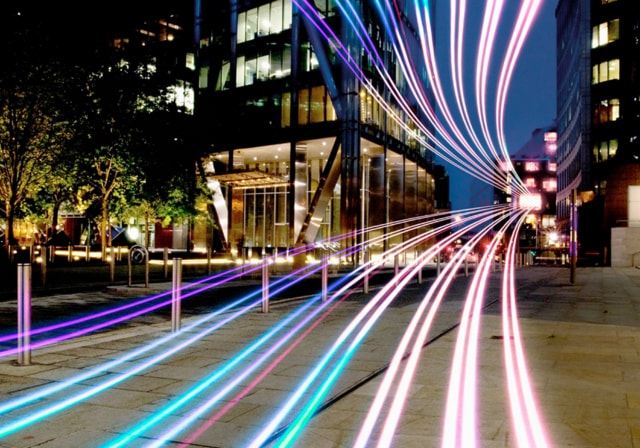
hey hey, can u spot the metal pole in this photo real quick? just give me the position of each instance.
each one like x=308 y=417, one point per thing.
x=208 y=261
x=146 y=269
x=175 y=294
x=165 y=261
x=438 y=263
x=325 y=275
x=396 y=264
x=573 y=236
x=24 y=314
x=466 y=267
x=43 y=265
x=365 y=287
x=265 y=284
x=70 y=254
x=419 y=270
x=88 y=253
x=130 y=267
x=112 y=265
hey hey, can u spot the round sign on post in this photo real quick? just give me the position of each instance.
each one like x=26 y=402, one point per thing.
x=138 y=254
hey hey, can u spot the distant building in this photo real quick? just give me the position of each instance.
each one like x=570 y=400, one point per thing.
x=535 y=165
x=598 y=85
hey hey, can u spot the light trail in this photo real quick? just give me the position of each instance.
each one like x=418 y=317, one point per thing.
x=25 y=421
x=460 y=415
x=375 y=307
x=438 y=288
x=526 y=420
x=221 y=391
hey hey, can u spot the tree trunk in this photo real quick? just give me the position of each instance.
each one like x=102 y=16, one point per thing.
x=9 y=238
x=54 y=220
x=147 y=237
x=104 y=223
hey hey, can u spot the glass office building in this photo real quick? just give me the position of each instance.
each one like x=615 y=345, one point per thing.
x=301 y=150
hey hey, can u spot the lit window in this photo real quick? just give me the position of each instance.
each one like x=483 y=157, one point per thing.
x=605 y=71
x=552 y=167
x=533 y=201
x=530 y=182
x=531 y=166
x=607 y=110
x=549 y=185
x=605 y=33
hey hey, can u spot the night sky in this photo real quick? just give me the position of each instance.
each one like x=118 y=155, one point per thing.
x=532 y=95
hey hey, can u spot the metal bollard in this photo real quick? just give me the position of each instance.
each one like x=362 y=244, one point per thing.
x=112 y=265
x=176 y=294
x=325 y=276
x=265 y=284
x=165 y=261
x=396 y=264
x=24 y=314
x=438 y=263
x=365 y=287
x=43 y=264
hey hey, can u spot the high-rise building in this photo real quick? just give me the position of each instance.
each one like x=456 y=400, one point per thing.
x=306 y=144
x=598 y=85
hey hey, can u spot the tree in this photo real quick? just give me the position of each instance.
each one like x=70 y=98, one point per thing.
x=33 y=123
x=121 y=94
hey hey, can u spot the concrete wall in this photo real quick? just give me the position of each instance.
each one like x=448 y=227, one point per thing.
x=625 y=243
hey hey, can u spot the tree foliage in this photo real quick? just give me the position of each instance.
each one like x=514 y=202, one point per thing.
x=33 y=125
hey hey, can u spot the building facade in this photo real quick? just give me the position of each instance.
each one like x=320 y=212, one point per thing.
x=598 y=119
x=535 y=165
x=303 y=147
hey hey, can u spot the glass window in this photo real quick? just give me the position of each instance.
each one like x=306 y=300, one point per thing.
x=531 y=166
x=252 y=24
x=222 y=82
x=275 y=70
x=614 y=31
x=287 y=15
x=614 y=109
x=530 y=182
x=613 y=147
x=552 y=167
x=603 y=72
x=285 y=110
x=549 y=185
x=242 y=27
x=614 y=69
x=604 y=151
x=303 y=107
x=603 y=33
x=276 y=17
x=263 y=68
x=240 y=72
x=251 y=71
x=317 y=104
x=264 y=22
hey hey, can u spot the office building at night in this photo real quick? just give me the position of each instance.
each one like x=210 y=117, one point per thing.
x=598 y=85
x=300 y=150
